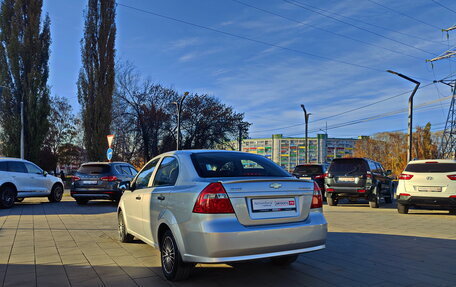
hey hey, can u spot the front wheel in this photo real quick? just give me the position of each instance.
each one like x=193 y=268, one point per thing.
x=173 y=267
x=284 y=260
x=56 y=193
x=374 y=200
x=124 y=236
x=332 y=201
x=402 y=208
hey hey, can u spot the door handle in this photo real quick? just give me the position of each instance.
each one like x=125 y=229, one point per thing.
x=138 y=198
x=160 y=197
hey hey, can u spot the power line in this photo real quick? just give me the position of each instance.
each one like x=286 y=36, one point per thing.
x=446 y=7
x=322 y=29
x=405 y=15
x=248 y=38
x=303 y=6
x=373 y=25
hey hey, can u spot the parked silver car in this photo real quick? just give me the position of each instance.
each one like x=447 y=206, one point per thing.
x=220 y=206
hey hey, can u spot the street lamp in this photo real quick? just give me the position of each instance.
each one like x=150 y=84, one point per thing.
x=306 y=118
x=410 y=112
x=179 y=109
x=22 y=122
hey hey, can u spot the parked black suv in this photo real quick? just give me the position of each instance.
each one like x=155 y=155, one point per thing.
x=315 y=172
x=355 y=178
x=100 y=180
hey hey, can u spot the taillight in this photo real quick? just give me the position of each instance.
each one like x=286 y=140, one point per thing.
x=109 y=178
x=452 y=177
x=329 y=189
x=317 y=200
x=320 y=176
x=361 y=190
x=405 y=176
x=452 y=196
x=213 y=199
x=75 y=178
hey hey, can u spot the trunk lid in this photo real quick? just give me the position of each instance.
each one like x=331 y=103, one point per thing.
x=269 y=201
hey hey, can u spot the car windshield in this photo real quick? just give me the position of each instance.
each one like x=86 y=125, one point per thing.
x=94 y=169
x=309 y=169
x=232 y=164
x=431 y=167
x=348 y=166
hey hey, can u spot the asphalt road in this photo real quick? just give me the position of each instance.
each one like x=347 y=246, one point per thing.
x=62 y=244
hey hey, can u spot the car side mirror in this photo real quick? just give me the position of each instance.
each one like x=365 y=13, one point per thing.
x=389 y=172
x=124 y=185
x=45 y=173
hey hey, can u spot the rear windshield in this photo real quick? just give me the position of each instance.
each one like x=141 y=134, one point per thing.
x=348 y=166
x=308 y=169
x=94 y=169
x=224 y=164
x=431 y=167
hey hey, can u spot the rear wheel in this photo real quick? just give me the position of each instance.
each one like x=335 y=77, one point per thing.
x=81 y=201
x=7 y=197
x=173 y=267
x=284 y=260
x=402 y=208
x=56 y=193
x=124 y=236
x=331 y=200
x=374 y=200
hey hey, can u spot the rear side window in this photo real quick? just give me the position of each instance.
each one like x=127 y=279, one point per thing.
x=167 y=172
x=232 y=164
x=348 y=166
x=15 y=166
x=94 y=169
x=308 y=169
x=431 y=167
x=3 y=166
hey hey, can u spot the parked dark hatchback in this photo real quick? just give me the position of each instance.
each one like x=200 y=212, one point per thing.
x=315 y=172
x=100 y=180
x=355 y=178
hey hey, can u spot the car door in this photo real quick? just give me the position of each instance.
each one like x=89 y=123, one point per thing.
x=20 y=176
x=38 y=181
x=160 y=196
x=132 y=199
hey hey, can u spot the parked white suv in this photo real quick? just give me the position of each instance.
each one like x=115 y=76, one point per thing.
x=429 y=183
x=20 y=178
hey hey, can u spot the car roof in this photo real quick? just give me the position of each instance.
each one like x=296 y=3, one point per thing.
x=193 y=151
x=12 y=159
x=433 y=161
x=105 y=162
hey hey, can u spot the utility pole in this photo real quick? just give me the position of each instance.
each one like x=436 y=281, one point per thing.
x=306 y=118
x=22 y=124
x=179 y=109
x=410 y=112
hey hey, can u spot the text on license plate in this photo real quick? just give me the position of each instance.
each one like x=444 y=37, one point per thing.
x=273 y=204
x=346 y=179
x=89 y=182
x=430 y=188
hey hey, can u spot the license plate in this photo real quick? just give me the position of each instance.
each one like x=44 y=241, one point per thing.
x=87 y=182
x=430 y=188
x=346 y=179
x=273 y=204
x=305 y=177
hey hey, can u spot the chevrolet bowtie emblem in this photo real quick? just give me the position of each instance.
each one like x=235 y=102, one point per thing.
x=275 y=185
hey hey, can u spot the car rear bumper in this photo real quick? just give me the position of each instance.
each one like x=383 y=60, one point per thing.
x=96 y=194
x=359 y=191
x=224 y=239
x=449 y=202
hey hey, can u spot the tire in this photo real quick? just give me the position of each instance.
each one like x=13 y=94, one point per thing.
x=56 y=193
x=452 y=211
x=389 y=197
x=374 y=200
x=19 y=199
x=331 y=200
x=173 y=268
x=124 y=236
x=284 y=260
x=402 y=208
x=7 y=197
x=81 y=201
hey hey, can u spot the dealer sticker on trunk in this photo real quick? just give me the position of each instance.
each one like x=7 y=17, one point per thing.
x=273 y=204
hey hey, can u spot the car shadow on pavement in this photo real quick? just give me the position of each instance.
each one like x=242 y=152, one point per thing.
x=43 y=206
x=350 y=259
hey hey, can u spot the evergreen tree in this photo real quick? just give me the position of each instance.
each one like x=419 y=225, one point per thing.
x=24 y=70
x=96 y=77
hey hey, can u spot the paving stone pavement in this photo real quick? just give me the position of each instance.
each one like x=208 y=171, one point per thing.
x=63 y=244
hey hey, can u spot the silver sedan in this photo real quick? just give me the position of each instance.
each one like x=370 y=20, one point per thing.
x=205 y=206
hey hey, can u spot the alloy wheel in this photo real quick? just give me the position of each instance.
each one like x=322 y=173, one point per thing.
x=168 y=254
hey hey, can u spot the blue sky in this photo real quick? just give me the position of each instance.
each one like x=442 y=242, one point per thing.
x=268 y=83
